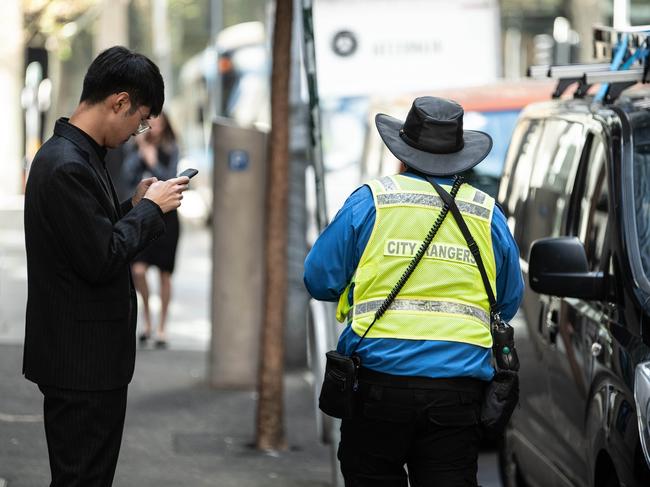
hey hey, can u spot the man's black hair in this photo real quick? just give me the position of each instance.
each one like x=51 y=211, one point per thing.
x=118 y=69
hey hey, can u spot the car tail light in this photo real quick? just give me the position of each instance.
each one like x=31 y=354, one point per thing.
x=642 y=399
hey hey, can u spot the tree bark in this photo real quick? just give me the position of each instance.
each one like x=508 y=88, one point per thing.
x=270 y=420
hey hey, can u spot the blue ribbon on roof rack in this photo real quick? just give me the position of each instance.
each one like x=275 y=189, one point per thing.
x=620 y=51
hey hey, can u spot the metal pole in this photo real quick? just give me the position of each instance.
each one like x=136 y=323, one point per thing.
x=621 y=14
x=297 y=297
x=315 y=148
x=216 y=25
x=216 y=19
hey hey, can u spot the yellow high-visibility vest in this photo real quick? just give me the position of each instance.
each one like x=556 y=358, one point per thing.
x=445 y=298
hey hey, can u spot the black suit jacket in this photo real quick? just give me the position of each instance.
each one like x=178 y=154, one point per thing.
x=81 y=304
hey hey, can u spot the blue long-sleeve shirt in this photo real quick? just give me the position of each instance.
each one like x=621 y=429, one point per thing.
x=332 y=261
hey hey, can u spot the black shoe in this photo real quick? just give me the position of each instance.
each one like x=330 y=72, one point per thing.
x=161 y=344
x=142 y=338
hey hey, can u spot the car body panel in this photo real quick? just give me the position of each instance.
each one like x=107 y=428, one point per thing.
x=577 y=420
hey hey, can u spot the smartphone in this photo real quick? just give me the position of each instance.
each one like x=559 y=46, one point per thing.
x=190 y=173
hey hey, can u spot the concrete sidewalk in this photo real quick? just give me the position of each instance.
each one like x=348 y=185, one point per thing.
x=178 y=430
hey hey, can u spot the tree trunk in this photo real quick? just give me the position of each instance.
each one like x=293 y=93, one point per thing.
x=270 y=421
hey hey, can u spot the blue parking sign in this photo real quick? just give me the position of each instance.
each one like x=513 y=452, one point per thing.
x=238 y=160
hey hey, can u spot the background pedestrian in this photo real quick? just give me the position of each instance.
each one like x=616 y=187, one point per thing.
x=155 y=154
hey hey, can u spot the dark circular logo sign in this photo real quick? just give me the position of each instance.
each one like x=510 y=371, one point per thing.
x=344 y=43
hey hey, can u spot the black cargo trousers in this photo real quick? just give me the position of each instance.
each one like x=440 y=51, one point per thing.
x=429 y=425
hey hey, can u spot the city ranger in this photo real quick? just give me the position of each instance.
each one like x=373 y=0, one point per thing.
x=426 y=361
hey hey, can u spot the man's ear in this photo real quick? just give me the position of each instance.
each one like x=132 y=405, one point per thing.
x=119 y=101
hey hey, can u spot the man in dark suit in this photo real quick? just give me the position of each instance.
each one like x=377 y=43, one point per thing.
x=81 y=306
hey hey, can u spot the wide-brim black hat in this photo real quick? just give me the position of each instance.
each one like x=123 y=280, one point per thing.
x=431 y=140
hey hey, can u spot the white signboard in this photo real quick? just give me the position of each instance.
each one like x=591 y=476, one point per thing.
x=366 y=47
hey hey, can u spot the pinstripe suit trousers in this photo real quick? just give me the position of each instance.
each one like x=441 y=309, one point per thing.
x=83 y=431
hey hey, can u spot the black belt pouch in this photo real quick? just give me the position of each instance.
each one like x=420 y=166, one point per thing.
x=337 y=395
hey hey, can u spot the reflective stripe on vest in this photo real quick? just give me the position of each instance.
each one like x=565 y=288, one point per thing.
x=444 y=299
x=423 y=305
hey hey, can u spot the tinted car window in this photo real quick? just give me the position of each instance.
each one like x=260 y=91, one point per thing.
x=641 y=178
x=560 y=169
x=594 y=205
x=550 y=181
x=519 y=163
x=637 y=203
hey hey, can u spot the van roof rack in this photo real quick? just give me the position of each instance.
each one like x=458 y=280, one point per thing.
x=627 y=52
x=567 y=74
x=614 y=81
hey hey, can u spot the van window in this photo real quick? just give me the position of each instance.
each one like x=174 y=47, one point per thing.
x=556 y=172
x=636 y=210
x=521 y=155
x=594 y=204
x=551 y=180
x=641 y=178
x=518 y=164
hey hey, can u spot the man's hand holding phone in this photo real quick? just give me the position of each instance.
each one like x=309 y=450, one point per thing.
x=168 y=194
x=141 y=190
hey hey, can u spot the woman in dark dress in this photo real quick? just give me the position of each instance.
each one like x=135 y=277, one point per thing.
x=155 y=154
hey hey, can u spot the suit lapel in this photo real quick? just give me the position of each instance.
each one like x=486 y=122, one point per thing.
x=116 y=200
x=63 y=129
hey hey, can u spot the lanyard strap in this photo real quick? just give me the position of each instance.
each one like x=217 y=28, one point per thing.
x=471 y=243
x=416 y=260
x=503 y=342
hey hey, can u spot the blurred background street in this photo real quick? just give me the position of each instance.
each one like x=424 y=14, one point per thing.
x=178 y=429
x=191 y=417
x=189 y=308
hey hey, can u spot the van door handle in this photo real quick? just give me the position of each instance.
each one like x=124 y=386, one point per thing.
x=602 y=340
x=596 y=348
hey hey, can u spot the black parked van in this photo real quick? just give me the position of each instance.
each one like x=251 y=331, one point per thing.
x=576 y=192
